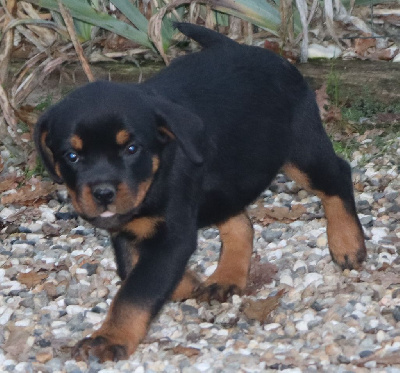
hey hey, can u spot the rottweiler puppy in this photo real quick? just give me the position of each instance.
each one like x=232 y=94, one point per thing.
x=191 y=147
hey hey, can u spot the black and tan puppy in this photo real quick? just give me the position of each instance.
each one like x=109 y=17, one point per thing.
x=190 y=147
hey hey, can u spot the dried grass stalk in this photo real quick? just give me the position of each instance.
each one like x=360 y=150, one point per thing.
x=69 y=22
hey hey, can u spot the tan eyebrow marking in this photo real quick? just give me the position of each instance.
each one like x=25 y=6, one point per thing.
x=122 y=137
x=76 y=142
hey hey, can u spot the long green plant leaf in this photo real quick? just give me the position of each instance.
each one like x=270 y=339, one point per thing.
x=258 y=12
x=132 y=13
x=83 y=11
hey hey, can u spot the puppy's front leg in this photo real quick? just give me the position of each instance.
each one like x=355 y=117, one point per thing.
x=161 y=265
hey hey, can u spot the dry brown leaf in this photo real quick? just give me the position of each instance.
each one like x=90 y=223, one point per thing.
x=16 y=345
x=322 y=99
x=187 y=351
x=260 y=274
x=262 y=308
x=284 y=213
x=31 y=279
x=386 y=279
x=25 y=195
x=9 y=182
x=362 y=45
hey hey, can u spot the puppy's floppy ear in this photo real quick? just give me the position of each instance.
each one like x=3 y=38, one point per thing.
x=41 y=134
x=179 y=123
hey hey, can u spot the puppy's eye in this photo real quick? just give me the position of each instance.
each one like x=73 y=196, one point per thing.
x=131 y=149
x=72 y=157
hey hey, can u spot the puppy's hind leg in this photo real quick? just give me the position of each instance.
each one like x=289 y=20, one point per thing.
x=316 y=167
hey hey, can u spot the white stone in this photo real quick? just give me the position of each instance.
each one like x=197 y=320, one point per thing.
x=322 y=240
x=286 y=280
x=379 y=233
x=302 y=326
x=74 y=309
x=313 y=278
x=298 y=264
x=397 y=58
x=6 y=212
x=319 y=51
x=210 y=270
x=6 y=316
x=48 y=215
x=94 y=317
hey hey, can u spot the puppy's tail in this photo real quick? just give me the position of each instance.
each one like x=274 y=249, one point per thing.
x=205 y=37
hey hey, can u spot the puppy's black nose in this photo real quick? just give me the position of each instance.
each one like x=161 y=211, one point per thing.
x=104 y=193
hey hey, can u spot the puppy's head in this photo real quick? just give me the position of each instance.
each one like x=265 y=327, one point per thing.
x=106 y=142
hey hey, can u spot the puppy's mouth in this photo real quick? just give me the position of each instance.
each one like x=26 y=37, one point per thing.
x=110 y=220
x=107 y=214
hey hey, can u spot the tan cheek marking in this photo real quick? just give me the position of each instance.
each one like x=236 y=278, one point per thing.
x=144 y=227
x=122 y=137
x=156 y=163
x=89 y=207
x=74 y=200
x=142 y=191
x=76 y=142
x=125 y=198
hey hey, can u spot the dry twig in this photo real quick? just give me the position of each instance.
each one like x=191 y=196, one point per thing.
x=69 y=22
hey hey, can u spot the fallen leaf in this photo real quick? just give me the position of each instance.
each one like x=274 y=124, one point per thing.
x=322 y=99
x=31 y=279
x=362 y=45
x=16 y=345
x=261 y=309
x=260 y=274
x=27 y=195
x=284 y=213
x=187 y=351
x=386 y=279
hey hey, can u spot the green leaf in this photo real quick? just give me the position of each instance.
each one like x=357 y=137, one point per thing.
x=132 y=13
x=258 y=12
x=83 y=11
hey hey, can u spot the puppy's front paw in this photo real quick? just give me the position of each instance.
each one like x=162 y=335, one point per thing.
x=219 y=292
x=99 y=348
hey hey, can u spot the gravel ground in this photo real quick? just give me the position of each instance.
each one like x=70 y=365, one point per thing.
x=57 y=279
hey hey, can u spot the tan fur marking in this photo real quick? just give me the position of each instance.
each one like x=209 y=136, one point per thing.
x=344 y=235
x=144 y=227
x=76 y=142
x=126 y=324
x=234 y=262
x=87 y=202
x=122 y=137
x=156 y=163
x=57 y=169
x=299 y=177
x=44 y=146
x=142 y=191
x=167 y=132
x=190 y=281
x=74 y=200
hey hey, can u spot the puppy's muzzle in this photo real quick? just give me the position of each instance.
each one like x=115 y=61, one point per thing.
x=104 y=193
